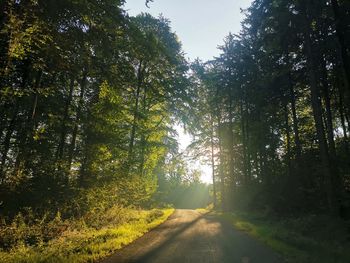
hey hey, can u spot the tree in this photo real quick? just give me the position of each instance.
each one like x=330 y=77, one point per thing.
x=275 y=88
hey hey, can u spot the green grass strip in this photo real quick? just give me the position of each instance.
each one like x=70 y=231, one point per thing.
x=88 y=245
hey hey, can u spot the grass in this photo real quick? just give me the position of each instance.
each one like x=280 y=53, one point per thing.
x=300 y=240
x=206 y=210
x=88 y=243
x=202 y=210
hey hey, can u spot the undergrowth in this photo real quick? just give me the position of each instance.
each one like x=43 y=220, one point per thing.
x=308 y=239
x=87 y=239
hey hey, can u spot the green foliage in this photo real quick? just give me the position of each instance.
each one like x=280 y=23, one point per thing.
x=274 y=110
x=181 y=187
x=87 y=94
x=86 y=98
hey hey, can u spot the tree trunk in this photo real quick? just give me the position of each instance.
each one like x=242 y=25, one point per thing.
x=213 y=159
x=221 y=169
x=232 y=177
x=143 y=142
x=77 y=120
x=247 y=142
x=295 y=119
x=221 y=158
x=342 y=120
x=135 y=114
x=329 y=118
x=26 y=136
x=244 y=145
x=231 y=146
x=340 y=32
x=287 y=130
x=7 y=138
x=61 y=145
x=317 y=113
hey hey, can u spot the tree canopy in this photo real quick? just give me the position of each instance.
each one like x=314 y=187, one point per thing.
x=89 y=98
x=275 y=107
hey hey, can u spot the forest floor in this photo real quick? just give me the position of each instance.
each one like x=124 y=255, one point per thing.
x=194 y=236
x=303 y=239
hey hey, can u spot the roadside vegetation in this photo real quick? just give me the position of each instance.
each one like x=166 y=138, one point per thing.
x=87 y=239
x=88 y=97
x=308 y=239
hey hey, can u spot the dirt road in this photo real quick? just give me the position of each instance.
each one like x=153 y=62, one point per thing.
x=188 y=236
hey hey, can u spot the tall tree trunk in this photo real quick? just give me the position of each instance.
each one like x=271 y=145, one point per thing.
x=26 y=136
x=244 y=145
x=317 y=113
x=135 y=114
x=72 y=144
x=342 y=119
x=231 y=146
x=7 y=139
x=287 y=130
x=61 y=145
x=143 y=141
x=233 y=178
x=347 y=120
x=86 y=170
x=213 y=159
x=295 y=119
x=221 y=154
x=340 y=32
x=329 y=117
x=221 y=168
x=256 y=164
x=247 y=142
x=265 y=173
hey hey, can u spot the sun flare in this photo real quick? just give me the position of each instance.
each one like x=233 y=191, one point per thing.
x=184 y=139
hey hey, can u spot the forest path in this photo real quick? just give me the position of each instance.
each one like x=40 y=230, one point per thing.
x=188 y=236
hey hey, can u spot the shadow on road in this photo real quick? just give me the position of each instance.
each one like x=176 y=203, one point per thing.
x=188 y=236
x=169 y=239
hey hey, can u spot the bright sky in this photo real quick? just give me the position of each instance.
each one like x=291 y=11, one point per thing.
x=201 y=26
